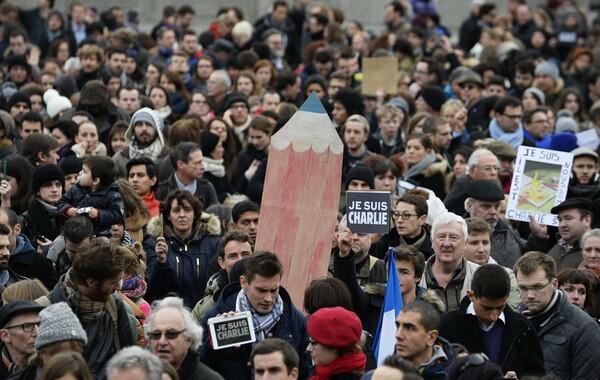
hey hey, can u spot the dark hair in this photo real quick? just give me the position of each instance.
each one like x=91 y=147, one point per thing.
x=403 y=365
x=486 y=8
x=151 y=169
x=423 y=139
x=584 y=277
x=430 y=318
x=270 y=345
x=102 y=168
x=506 y=101
x=68 y=362
x=490 y=281
x=528 y=114
x=327 y=292
x=380 y=165
x=100 y=260
x=431 y=124
x=180 y=195
x=12 y=217
x=418 y=201
x=351 y=100
x=21 y=169
x=410 y=254
x=264 y=264
x=161 y=88
x=497 y=80
x=284 y=79
x=67 y=127
x=534 y=260
x=316 y=79
x=4 y=230
x=32 y=117
x=184 y=130
x=525 y=66
x=242 y=207
x=234 y=235
x=37 y=143
x=118 y=127
x=78 y=228
x=182 y=151
x=478 y=226
x=185 y=9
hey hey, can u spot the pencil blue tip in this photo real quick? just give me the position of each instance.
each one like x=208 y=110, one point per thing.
x=313 y=104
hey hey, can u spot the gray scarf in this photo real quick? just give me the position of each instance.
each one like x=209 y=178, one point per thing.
x=419 y=167
x=262 y=323
x=150 y=152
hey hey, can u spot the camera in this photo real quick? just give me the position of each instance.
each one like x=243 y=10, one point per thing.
x=84 y=210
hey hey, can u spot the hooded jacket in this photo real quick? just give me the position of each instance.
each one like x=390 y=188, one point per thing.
x=233 y=363
x=26 y=262
x=185 y=271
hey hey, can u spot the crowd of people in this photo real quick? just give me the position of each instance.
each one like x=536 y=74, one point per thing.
x=134 y=161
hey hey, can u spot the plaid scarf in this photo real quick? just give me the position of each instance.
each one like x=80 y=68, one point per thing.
x=262 y=323
x=150 y=152
x=88 y=310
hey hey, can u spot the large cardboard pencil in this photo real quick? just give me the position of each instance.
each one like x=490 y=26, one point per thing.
x=301 y=196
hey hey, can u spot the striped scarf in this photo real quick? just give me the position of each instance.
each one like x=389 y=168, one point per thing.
x=262 y=323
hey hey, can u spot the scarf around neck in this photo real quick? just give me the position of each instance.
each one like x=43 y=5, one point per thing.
x=214 y=167
x=262 y=323
x=150 y=152
x=515 y=139
x=342 y=364
x=134 y=286
x=418 y=168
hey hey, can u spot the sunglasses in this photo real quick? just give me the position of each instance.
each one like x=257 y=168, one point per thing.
x=170 y=334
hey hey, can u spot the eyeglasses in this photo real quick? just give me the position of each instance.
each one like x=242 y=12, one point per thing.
x=474 y=360
x=513 y=117
x=404 y=215
x=535 y=288
x=27 y=327
x=312 y=341
x=490 y=168
x=199 y=102
x=170 y=334
x=543 y=121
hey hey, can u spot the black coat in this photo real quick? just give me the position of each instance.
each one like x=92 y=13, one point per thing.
x=192 y=368
x=392 y=239
x=38 y=221
x=520 y=350
x=27 y=262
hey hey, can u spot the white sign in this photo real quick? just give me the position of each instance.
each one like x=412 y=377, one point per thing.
x=588 y=139
x=231 y=331
x=540 y=182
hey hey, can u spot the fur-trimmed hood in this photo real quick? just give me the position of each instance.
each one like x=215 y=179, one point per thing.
x=208 y=223
x=439 y=166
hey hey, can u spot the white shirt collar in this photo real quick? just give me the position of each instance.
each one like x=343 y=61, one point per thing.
x=471 y=310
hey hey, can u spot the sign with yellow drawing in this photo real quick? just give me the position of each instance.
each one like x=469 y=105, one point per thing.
x=540 y=182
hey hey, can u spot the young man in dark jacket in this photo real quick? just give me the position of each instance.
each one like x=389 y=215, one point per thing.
x=259 y=292
x=485 y=323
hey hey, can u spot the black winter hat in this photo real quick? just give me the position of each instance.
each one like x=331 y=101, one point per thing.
x=18 y=97
x=208 y=142
x=46 y=173
x=236 y=97
x=18 y=60
x=433 y=96
x=71 y=165
x=361 y=172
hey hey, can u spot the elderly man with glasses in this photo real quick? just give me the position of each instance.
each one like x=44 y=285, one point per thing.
x=174 y=336
x=19 y=327
x=566 y=333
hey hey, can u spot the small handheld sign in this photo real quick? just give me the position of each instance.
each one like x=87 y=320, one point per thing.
x=231 y=331
x=368 y=211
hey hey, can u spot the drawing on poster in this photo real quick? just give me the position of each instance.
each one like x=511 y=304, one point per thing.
x=539 y=186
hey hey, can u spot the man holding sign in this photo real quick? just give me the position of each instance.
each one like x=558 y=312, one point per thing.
x=273 y=314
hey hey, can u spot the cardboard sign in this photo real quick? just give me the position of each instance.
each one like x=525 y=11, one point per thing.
x=381 y=72
x=231 y=331
x=588 y=139
x=368 y=211
x=540 y=182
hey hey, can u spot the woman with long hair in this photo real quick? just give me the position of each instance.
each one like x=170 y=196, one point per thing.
x=425 y=169
x=178 y=94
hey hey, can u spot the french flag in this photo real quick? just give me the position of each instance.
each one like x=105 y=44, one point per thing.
x=385 y=339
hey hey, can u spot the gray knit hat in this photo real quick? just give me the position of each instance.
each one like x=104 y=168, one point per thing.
x=548 y=68
x=58 y=323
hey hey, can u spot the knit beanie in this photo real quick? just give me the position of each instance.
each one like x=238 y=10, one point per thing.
x=335 y=327
x=236 y=97
x=58 y=323
x=564 y=142
x=18 y=97
x=539 y=94
x=400 y=103
x=208 y=142
x=361 y=172
x=55 y=103
x=548 y=68
x=71 y=165
x=565 y=124
x=94 y=93
x=18 y=60
x=144 y=114
x=433 y=96
x=46 y=173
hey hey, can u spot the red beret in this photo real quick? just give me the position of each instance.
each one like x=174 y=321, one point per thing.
x=335 y=327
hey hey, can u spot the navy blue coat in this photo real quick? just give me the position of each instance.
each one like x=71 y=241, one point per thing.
x=232 y=363
x=185 y=271
x=106 y=199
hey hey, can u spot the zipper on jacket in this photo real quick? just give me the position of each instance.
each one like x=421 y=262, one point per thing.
x=177 y=270
x=197 y=268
